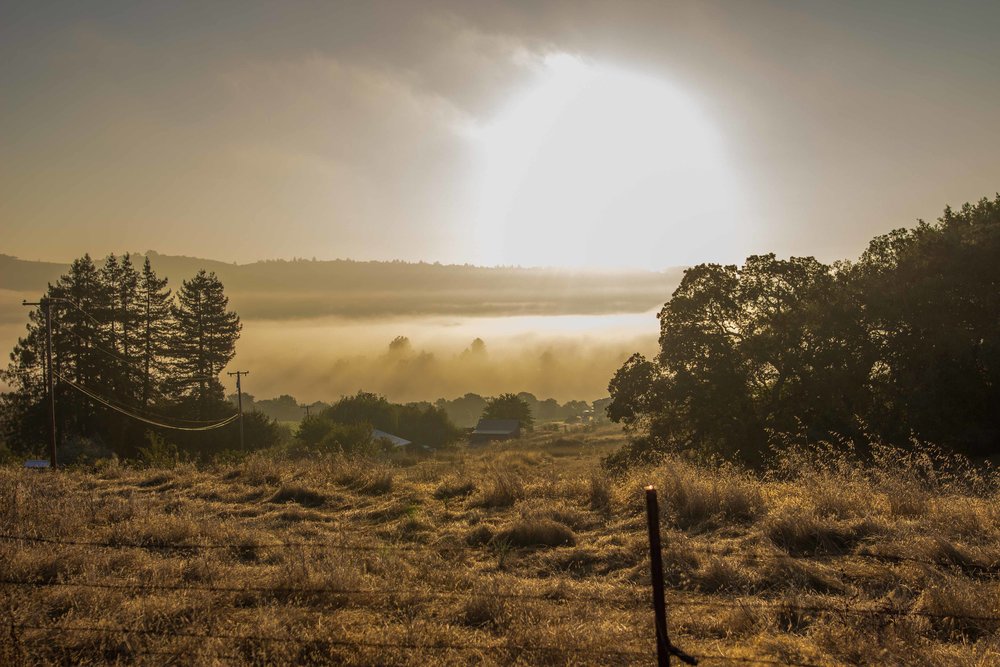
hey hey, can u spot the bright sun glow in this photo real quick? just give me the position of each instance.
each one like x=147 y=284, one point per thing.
x=598 y=166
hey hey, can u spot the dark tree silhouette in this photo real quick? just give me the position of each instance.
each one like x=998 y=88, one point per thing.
x=202 y=342
x=931 y=298
x=509 y=406
x=153 y=332
x=907 y=339
x=422 y=424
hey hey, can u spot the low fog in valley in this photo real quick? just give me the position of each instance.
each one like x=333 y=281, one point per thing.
x=318 y=330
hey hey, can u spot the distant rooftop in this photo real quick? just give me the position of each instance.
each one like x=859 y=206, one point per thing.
x=497 y=426
x=394 y=439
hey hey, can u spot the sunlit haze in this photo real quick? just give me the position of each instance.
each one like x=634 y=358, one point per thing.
x=604 y=166
x=581 y=134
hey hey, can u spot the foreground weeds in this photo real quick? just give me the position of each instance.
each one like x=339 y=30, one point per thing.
x=522 y=554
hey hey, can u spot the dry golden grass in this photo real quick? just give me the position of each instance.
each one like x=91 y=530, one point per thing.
x=521 y=554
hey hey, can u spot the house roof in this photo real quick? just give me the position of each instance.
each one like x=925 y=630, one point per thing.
x=497 y=426
x=394 y=439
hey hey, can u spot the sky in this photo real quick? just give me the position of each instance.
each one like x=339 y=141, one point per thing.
x=586 y=134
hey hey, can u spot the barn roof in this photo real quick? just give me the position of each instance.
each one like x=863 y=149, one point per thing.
x=394 y=439
x=497 y=426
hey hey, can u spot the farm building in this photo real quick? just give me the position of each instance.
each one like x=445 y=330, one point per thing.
x=495 y=429
x=396 y=441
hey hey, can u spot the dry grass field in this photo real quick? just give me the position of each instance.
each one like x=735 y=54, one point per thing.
x=517 y=554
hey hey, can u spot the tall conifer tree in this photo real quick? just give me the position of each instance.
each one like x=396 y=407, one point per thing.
x=203 y=341
x=120 y=314
x=152 y=332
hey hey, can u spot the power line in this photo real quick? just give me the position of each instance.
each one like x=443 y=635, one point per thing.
x=144 y=413
x=63 y=299
x=239 y=400
x=103 y=349
x=105 y=402
x=135 y=413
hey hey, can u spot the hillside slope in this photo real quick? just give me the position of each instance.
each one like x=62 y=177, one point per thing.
x=278 y=289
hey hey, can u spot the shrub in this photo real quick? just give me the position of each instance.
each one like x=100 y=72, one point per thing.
x=351 y=439
x=80 y=449
x=7 y=455
x=321 y=435
x=159 y=453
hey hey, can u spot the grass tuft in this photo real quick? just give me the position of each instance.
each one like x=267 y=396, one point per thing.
x=297 y=493
x=455 y=487
x=535 y=532
x=503 y=487
x=801 y=531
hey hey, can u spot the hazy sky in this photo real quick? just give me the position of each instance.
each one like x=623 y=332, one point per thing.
x=564 y=133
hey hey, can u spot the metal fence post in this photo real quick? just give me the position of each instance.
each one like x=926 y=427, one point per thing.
x=664 y=649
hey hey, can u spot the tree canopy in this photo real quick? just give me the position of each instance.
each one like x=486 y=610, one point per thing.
x=422 y=424
x=509 y=406
x=903 y=343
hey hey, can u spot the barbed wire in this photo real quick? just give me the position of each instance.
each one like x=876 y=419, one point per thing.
x=426 y=646
x=826 y=609
x=314 y=642
x=439 y=548
x=243 y=545
x=992 y=569
x=738 y=659
x=747 y=605
x=554 y=596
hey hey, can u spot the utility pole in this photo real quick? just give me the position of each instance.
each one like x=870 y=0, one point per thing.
x=307 y=410
x=46 y=304
x=239 y=400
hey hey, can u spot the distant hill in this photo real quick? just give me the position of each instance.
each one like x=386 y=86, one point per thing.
x=280 y=289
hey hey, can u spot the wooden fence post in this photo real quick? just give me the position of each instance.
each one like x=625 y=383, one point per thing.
x=664 y=649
